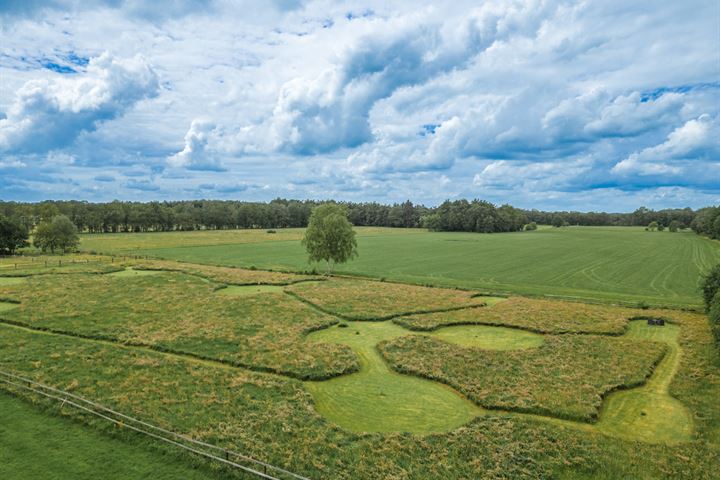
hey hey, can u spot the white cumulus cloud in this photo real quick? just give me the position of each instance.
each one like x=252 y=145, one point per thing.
x=50 y=113
x=696 y=141
x=195 y=154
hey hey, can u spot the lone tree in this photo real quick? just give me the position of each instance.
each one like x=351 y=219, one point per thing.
x=329 y=236
x=674 y=226
x=57 y=234
x=652 y=226
x=13 y=235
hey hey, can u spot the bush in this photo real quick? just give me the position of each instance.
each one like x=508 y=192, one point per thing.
x=531 y=226
x=270 y=231
x=56 y=234
x=13 y=235
x=714 y=316
x=710 y=286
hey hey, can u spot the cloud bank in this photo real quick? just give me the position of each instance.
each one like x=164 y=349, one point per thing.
x=543 y=103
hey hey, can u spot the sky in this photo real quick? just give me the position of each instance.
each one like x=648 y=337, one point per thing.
x=580 y=105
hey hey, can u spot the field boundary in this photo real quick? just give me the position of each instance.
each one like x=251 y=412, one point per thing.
x=197 y=447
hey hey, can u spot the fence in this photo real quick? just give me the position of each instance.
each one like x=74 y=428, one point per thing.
x=232 y=459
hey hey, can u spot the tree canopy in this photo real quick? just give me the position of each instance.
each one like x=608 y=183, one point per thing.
x=59 y=233
x=13 y=235
x=329 y=236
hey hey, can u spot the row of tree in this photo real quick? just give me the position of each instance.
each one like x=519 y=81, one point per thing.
x=639 y=218
x=707 y=222
x=459 y=215
x=120 y=216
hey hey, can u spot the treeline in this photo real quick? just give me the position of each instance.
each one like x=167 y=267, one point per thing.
x=458 y=215
x=641 y=217
x=475 y=216
x=707 y=222
x=117 y=216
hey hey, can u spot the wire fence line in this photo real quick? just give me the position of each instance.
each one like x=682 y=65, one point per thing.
x=232 y=459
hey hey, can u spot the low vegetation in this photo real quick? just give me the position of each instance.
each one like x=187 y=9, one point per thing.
x=565 y=377
x=228 y=275
x=180 y=313
x=273 y=419
x=29 y=440
x=54 y=264
x=170 y=348
x=371 y=300
x=538 y=315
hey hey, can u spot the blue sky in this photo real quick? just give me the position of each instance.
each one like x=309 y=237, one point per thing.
x=589 y=105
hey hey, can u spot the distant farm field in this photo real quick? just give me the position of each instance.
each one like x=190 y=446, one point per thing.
x=599 y=263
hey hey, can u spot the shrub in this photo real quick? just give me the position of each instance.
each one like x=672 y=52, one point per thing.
x=57 y=234
x=13 y=235
x=531 y=226
x=714 y=316
x=710 y=286
x=270 y=231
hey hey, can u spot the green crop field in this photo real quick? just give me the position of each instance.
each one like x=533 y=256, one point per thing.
x=600 y=263
x=348 y=378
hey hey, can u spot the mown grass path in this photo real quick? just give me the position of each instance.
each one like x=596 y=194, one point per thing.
x=378 y=399
x=649 y=413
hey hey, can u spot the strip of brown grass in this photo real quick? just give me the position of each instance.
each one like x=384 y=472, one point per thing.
x=180 y=313
x=229 y=275
x=537 y=315
x=371 y=300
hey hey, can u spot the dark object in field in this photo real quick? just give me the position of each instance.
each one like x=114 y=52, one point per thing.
x=270 y=231
x=342 y=325
x=656 y=321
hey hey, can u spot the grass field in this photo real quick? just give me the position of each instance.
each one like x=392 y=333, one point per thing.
x=34 y=444
x=430 y=383
x=600 y=263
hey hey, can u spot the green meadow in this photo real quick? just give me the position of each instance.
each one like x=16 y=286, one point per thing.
x=351 y=377
x=613 y=264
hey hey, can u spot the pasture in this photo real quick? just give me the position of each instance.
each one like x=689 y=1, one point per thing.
x=610 y=264
x=354 y=378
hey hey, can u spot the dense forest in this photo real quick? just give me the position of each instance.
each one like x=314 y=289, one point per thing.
x=458 y=215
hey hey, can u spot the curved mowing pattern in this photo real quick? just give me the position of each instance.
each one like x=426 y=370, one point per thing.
x=649 y=413
x=377 y=399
